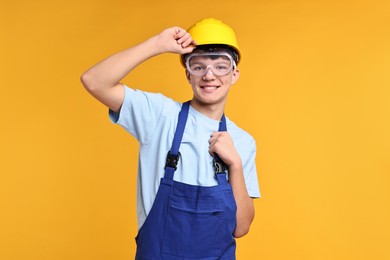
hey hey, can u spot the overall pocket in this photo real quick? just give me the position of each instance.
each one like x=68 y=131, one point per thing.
x=195 y=228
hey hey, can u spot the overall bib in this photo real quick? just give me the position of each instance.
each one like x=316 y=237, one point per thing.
x=188 y=221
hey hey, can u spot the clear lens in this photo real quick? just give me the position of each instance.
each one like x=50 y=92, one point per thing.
x=220 y=64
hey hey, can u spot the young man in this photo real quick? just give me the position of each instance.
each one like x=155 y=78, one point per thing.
x=188 y=207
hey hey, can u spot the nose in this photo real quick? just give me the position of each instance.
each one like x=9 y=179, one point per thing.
x=209 y=74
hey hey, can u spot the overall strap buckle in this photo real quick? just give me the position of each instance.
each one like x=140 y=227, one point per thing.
x=219 y=166
x=172 y=160
x=220 y=170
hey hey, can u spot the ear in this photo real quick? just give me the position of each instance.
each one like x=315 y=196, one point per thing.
x=188 y=76
x=235 y=76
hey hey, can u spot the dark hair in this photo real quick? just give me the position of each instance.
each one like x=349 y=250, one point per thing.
x=214 y=48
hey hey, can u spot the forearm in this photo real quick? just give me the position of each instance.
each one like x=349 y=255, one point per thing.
x=113 y=69
x=222 y=144
x=103 y=79
x=245 y=208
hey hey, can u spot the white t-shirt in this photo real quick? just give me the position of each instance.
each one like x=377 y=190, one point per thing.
x=152 y=118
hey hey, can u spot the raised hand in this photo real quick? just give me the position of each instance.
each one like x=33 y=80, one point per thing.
x=176 y=40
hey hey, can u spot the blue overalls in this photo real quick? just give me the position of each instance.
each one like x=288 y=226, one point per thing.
x=188 y=221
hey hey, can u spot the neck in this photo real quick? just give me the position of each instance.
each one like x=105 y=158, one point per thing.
x=213 y=111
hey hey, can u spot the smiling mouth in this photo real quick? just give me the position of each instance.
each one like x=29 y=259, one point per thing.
x=209 y=87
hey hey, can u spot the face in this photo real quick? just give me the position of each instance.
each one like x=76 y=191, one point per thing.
x=211 y=76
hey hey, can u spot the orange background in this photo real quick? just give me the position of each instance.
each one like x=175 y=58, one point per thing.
x=314 y=92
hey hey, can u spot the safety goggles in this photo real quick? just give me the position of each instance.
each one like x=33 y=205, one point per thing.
x=220 y=63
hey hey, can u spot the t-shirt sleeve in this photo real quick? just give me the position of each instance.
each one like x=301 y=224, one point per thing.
x=250 y=174
x=139 y=113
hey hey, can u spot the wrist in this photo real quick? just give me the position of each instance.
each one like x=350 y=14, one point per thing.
x=154 y=46
x=236 y=165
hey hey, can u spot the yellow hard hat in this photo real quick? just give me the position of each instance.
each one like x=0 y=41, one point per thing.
x=213 y=31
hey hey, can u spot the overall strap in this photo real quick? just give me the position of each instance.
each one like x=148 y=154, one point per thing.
x=219 y=165
x=173 y=154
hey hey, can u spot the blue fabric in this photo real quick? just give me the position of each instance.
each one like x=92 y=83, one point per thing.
x=188 y=221
x=180 y=128
x=217 y=161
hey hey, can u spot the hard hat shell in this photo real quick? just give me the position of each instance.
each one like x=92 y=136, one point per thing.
x=213 y=31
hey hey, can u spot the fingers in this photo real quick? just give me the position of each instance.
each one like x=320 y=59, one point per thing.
x=184 y=39
x=218 y=142
x=217 y=145
x=175 y=40
x=222 y=144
